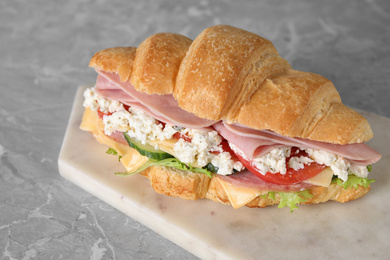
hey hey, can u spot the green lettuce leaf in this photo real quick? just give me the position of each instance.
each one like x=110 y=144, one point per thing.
x=289 y=199
x=292 y=199
x=169 y=162
x=353 y=181
x=269 y=195
x=113 y=152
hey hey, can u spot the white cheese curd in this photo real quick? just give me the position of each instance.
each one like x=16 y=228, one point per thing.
x=273 y=162
x=143 y=127
x=90 y=99
x=94 y=101
x=358 y=170
x=167 y=132
x=238 y=166
x=338 y=164
x=137 y=124
x=185 y=152
x=225 y=164
x=118 y=121
x=198 y=151
x=298 y=163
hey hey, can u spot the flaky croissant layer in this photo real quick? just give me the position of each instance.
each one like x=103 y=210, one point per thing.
x=233 y=75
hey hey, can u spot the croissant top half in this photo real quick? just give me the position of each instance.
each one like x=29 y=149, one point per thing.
x=231 y=74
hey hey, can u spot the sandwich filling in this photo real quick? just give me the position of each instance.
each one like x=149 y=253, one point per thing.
x=196 y=147
x=207 y=148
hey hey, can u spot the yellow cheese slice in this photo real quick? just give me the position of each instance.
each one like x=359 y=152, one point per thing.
x=239 y=196
x=89 y=121
x=323 y=179
x=131 y=159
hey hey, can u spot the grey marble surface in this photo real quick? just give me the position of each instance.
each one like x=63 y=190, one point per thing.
x=45 y=47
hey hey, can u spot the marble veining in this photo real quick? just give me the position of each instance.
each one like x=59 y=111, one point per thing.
x=45 y=48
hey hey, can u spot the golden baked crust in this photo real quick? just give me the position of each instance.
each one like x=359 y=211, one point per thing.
x=118 y=60
x=237 y=76
x=341 y=123
x=157 y=62
x=176 y=183
x=193 y=186
x=221 y=71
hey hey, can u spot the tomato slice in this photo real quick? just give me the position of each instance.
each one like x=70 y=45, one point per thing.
x=292 y=176
x=226 y=148
x=179 y=135
x=101 y=114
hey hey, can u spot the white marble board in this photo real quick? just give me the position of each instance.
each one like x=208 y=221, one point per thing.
x=355 y=230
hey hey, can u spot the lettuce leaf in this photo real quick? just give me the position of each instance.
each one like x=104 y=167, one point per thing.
x=292 y=199
x=169 y=162
x=269 y=195
x=113 y=152
x=289 y=199
x=353 y=181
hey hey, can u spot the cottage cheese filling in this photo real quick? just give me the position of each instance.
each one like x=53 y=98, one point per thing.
x=94 y=101
x=275 y=162
x=205 y=146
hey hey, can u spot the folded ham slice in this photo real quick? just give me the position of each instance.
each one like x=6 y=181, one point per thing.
x=254 y=143
x=118 y=137
x=121 y=96
x=161 y=107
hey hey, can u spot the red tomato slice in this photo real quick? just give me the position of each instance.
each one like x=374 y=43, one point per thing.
x=226 y=148
x=179 y=135
x=291 y=177
x=101 y=114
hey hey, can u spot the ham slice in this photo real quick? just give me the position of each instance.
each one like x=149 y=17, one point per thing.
x=253 y=143
x=121 y=96
x=256 y=143
x=162 y=107
x=251 y=146
x=118 y=137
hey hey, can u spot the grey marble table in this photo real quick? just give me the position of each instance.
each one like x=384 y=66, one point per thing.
x=45 y=47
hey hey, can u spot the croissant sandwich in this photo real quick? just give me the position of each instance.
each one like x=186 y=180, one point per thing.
x=225 y=118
